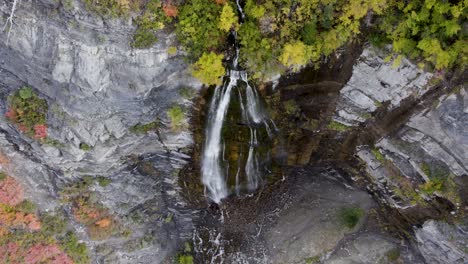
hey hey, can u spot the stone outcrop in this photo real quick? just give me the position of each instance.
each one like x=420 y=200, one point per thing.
x=374 y=82
x=440 y=242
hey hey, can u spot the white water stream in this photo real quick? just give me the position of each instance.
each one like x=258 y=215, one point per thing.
x=214 y=170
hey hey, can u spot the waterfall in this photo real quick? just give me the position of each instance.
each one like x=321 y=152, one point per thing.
x=214 y=171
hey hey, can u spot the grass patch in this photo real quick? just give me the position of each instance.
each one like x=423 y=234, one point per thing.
x=350 y=216
x=312 y=260
x=144 y=128
x=393 y=254
x=103 y=181
x=177 y=117
x=2 y=175
x=379 y=156
x=337 y=126
x=172 y=50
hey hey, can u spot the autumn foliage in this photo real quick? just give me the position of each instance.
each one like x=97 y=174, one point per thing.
x=97 y=219
x=11 y=192
x=38 y=253
x=28 y=112
x=170 y=10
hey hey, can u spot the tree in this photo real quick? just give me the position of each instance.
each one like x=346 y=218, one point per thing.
x=209 y=68
x=294 y=55
x=228 y=19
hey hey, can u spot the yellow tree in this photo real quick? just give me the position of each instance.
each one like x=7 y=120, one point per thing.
x=209 y=68
x=228 y=19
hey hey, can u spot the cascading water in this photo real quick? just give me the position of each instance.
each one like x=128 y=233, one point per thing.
x=215 y=169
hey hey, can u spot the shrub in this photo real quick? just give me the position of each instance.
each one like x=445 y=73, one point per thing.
x=350 y=216
x=209 y=68
x=177 y=117
x=85 y=147
x=28 y=112
x=78 y=251
x=184 y=259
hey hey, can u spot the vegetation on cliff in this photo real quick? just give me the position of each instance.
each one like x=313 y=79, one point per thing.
x=280 y=35
x=28 y=112
x=27 y=236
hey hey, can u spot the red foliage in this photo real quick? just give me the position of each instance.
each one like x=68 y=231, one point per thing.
x=170 y=10
x=220 y=2
x=33 y=255
x=23 y=128
x=40 y=131
x=10 y=252
x=11 y=193
x=11 y=114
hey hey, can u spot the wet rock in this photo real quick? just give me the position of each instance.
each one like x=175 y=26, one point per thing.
x=440 y=242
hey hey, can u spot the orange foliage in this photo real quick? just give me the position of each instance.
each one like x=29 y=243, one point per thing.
x=170 y=10
x=11 y=193
x=220 y=2
x=103 y=223
x=10 y=217
x=97 y=219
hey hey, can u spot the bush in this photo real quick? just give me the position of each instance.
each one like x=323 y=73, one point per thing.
x=209 y=68
x=350 y=216
x=28 y=112
x=177 y=117
x=85 y=147
x=78 y=251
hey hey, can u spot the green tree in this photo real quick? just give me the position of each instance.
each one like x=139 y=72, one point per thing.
x=197 y=29
x=209 y=68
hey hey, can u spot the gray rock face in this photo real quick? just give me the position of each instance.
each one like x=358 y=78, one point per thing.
x=311 y=226
x=370 y=248
x=431 y=145
x=97 y=87
x=440 y=242
x=374 y=82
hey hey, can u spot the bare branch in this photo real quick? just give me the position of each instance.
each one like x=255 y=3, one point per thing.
x=9 y=21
